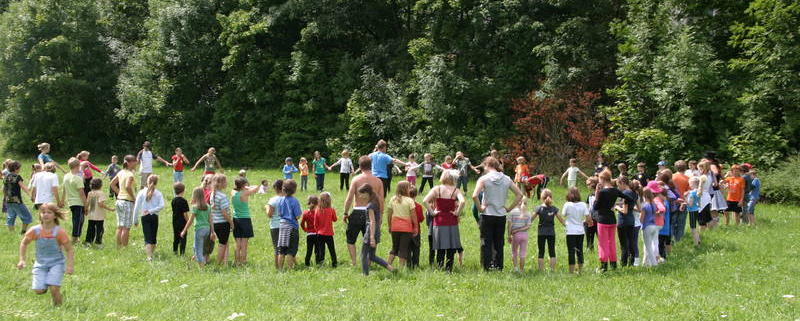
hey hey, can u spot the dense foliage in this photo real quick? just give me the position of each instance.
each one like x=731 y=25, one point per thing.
x=265 y=79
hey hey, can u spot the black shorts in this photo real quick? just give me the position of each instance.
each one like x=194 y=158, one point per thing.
x=223 y=231
x=242 y=228
x=705 y=216
x=274 y=232
x=734 y=207
x=401 y=244
x=294 y=242
x=150 y=228
x=693 y=216
x=357 y=223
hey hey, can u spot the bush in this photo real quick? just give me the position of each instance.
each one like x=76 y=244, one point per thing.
x=781 y=184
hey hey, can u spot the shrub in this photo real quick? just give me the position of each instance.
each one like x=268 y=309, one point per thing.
x=781 y=184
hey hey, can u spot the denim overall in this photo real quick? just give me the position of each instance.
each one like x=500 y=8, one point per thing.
x=48 y=256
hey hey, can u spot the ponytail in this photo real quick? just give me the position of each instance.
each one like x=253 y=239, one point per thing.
x=547 y=197
x=152 y=181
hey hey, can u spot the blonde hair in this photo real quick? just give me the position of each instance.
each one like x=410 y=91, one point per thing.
x=199 y=199
x=325 y=200
x=447 y=177
x=218 y=182
x=73 y=162
x=52 y=208
x=43 y=146
x=152 y=182
x=547 y=197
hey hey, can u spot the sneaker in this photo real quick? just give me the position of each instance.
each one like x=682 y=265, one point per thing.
x=516 y=269
x=636 y=261
x=661 y=260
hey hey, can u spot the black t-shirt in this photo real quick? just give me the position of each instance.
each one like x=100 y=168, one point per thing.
x=642 y=178
x=546 y=215
x=11 y=186
x=628 y=219
x=604 y=204
x=179 y=207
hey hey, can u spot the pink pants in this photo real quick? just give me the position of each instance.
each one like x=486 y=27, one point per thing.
x=412 y=180
x=607 y=242
x=519 y=246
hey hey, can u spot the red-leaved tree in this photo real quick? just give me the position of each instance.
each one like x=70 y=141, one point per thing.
x=551 y=129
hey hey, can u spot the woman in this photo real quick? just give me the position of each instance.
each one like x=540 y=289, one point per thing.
x=606 y=196
x=445 y=202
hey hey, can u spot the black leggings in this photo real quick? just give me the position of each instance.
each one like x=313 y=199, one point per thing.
x=422 y=185
x=94 y=233
x=575 y=248
x=591 y=231
x=77 y=220
x=492 y=230
x=322 y=241
x=415 y=247
x=311 y=247
x=626 y=240
x=542 y=186
x=440 y=255
x=431 y=251
x=551 y=245
x=344 y=181
x=178 y=242
x=663 y=242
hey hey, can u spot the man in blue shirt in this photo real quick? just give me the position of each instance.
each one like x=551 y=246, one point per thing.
x=382 y=164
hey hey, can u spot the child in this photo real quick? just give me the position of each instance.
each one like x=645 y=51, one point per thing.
x=264 y=188
x=35 y=169
x=123 y=185
x=623 y=170
x=51 y=242
x=221 y=216
x=519 y=221
x=145 y=158
x=288 y=168
x=323 y=221
x=320 y=166
x=402 y=222
x=210 y=161
x=625 y=220
x=591 y=229
x=96 y=213
x=521 y=173
x=274 y=217
x=307 y=224
x=373 y=233
x=203 y=227
x=692 y=198
x=641 y=174
x=415 y=241
x=242 y=224
x=303 y=165
x=572 y=174
x=736 y=186
x=288 y=238
x=345 y=169
x=12 y=194
x=547 y=233
x=112 y=171
x=149 y=202
x=243 y=175
x=539 y=181
x=411 y=171
x=75 y=197
x=428 y=166
x=180 y=215
x=576 y=214
x=637 y=222
x=755 y=195
x=448 y=162
x=86 y=170
x=178 y=161
x=44 y=157
x=693 y=169
x=652 y=217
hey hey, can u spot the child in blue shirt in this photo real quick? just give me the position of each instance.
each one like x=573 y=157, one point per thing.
x=289 y=168
x=288 y=236
x=693 y=207
x=755 y=194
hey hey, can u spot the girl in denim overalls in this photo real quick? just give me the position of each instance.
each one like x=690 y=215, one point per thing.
x=49 y=268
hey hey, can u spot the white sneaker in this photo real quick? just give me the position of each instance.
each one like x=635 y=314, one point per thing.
x=636 y=261
x=516 y=269
x=661 y=260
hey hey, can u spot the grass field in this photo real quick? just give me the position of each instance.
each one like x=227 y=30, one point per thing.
x=739 y=273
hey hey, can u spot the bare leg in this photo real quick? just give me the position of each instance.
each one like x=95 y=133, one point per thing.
x=696 y=237
x=571 y=268
x=149 y=248
x=292 y=261
x=119 y=236
x=541 y=264
x=222 y=254
x=552 y=264
x=279 y=263
x=56 y=293
x=352 y=249
x=391 y=259
x=751 y=219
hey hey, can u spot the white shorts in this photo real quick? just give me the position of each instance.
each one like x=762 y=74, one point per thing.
x=47 y=275
x=124 y=213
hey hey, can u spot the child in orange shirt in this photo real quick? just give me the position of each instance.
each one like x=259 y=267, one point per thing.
x=521 y=172
x=735 y=184
x=303 y=165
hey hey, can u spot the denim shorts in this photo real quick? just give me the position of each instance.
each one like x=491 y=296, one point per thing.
x=47 y=275
x=177 y=177
x=18 y=209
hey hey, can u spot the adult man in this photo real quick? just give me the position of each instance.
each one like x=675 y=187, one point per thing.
x=495 y=186
x=145 y=158
x=357 y=220
x=382 y=164
x=461 y=165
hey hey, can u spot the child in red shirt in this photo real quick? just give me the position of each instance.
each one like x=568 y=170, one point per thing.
x=323 y=219
x=415 y=241
x=307 y=224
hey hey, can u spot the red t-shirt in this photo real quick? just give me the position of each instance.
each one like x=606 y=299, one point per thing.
x=307 y=222
x=447 y=166
x=177 y=163
x=418 y=212
x=323 y=219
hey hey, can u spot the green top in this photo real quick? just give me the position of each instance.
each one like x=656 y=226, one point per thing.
x=200 y=218
x=240 y=209
x=319 y=165
x=73 y=184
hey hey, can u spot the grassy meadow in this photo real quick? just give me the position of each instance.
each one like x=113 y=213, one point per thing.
x=739 y=273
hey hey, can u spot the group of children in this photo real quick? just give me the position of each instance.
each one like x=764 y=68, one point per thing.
x=627 y=205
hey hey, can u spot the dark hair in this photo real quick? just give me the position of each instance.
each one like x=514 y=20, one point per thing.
x=289 y=187
x=624 y=181
x=239 y=183
x=178 y=188
x=96 y=183
x=14 y=166
x=412 y=193
x=573 y=195
x=367 y=189
x=312 y=200
x=127 y=160
x=680 y=166
x=277 y=185
x=365 y=163
x=381 y=144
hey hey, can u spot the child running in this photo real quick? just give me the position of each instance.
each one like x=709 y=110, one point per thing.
x=519 y=222
x=307 y=224
x=180 y=215
x=242 y=223
x=572 y=174
x=203 y=227
x=51 y=243
x=96 y=213
x=576 y=214
x=149 y=202
x=13 y=187
x=323 y=221
x=547 y=213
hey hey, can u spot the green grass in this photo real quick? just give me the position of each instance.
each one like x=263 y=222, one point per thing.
x=741 y=273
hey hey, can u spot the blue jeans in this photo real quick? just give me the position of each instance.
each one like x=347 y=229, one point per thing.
x=177 y=177
x=679 y=225
x=462 y=181
x=199 y=241
x=18 y=209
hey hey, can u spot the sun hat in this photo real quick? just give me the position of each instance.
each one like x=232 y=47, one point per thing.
x=654 y=187
x=288 y=159
x=662 y=163
x=747 y=166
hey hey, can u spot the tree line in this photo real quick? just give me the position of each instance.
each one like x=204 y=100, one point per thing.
x=265 y=79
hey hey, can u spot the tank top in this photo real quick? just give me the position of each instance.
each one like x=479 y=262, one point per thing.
x=48 y=252
x=240 y=209
x=446 y=208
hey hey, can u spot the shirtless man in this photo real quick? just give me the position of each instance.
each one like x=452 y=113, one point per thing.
x=357 y=220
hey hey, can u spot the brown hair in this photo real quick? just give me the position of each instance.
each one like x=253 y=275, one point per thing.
x=96 y=183
x=313 y=202
x=239 y=183
x=178 y=188
x=605 y=175
x=573 y=195
x=325 y=200
x=13 y=166
x=365 y=163
x=289 y=187
x=492 y=162
x=381 y=144
x=680 y=166
x=622 y=167
x=52 y=208
x=128 y=161
x=277 y=185
x=199 y=199
x=367 y=189
x=401 y=191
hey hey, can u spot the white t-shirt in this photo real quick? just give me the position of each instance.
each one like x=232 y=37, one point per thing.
x=146 y=159
x=572 y=173
x=575 y=214
x=411 y=172
x=44 y=183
